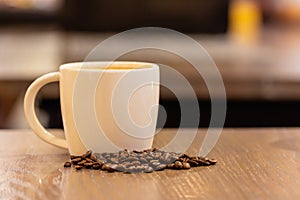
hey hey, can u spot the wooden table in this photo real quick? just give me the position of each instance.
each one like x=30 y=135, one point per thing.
x=253 y=164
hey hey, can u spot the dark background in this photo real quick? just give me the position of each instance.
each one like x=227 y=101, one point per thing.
x=189 y=16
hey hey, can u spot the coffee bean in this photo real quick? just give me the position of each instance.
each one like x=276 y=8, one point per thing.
x=155 y=164
x=193 y=163
x=185 y=156
x=89 y=160
x=101 y=162
x=121 y=168
x=97 y=156
x=178 y=165
x=170 y=166
x=67 y=164
x=88 y=154
x=136 y=163
x=81 y=162
x=113 y=160
x=149 y=158
x=154 y=149
x=104 y=167
x=143 y=160
x=88 y=165
x=174 y=158
x=148 y=169
x=186 y=165
x=202 y=159
x=74 y=156
x=131 y=169
x=111 y=168
x=122 y=159
x=128 y=165
x=161 y=167
x=75 y=160
x=212 y=161
x=78 y=167
x=139 y=168
x=154 y=161
x=96 y=166
x=131 y=159
x=203 y=163
x=166 y=156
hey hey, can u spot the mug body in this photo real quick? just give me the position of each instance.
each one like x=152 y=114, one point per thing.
x=108 y=106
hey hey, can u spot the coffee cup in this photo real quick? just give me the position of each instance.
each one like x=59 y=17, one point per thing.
x=105 y=106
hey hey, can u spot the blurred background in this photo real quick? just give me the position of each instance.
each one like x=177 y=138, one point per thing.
x=254 y=43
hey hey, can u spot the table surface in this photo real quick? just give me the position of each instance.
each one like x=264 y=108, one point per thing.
x=252 y=164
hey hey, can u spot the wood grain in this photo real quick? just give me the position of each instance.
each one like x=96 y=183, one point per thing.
x=253 y=164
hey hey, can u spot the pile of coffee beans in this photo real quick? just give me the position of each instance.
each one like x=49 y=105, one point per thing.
x=137 y=161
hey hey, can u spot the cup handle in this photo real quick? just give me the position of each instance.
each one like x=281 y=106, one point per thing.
x=30 y=114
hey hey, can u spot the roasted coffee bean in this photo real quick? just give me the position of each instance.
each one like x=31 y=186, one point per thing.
x=74 y=156
x=161 y=167
x=143 y=160
x=157 y=156
x=128 y=165
x=121 y=168
x=131 y=169
x=170 y=166
x=155 y=164
x=111 y=168
x=67 y=164
x=75 y=160
x=154 y=149
x=89 y=160
x=78 y=167
x=185 y=156
x=139 y=168
x=88 y=165
x=166 y=156
x=113 y=160
x=206 y=159
x=131 y=159
x=148 y=169
x=122 y=160
x=104 y=167
x=178 y=165
x=101 y=162
x=123 y=155
x=149 y=158
x=212 y=161
x=136 y=163
x=186 y=165
x=203 y=163
x=81 y=162
x=153 y=161
x=202 y=159
x=174 y=158
x=193 y=163
x=97 y=156
x=96 y=166
x=88 y=154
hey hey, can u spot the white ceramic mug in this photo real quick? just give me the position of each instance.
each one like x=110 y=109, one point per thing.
x=106 y=106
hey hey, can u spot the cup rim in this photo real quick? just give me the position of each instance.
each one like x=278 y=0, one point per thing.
x=78 y=66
